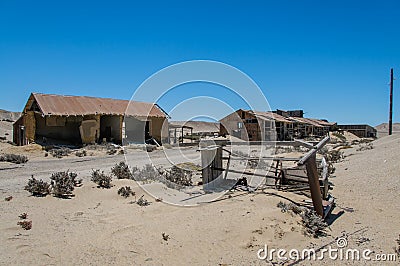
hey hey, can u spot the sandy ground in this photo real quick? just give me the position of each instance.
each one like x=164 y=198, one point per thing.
x=98 y=227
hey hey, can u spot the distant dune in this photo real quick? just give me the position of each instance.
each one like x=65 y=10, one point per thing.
x=383 y=129
x=6 y=120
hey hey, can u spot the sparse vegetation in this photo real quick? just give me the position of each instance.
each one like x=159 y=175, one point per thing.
x=315 y=226
x=289 y=207
x=179 y=176
x=38 y=188
x=165 y=236
x=126 y=192
x=339 y=135
x=365 y=146
x=60 y=152
x=27 y=225
x=147 y=173
x=8 y=198
x=101 y=179
x=142 y=201
x=63 y=183
x=81 y=153
x=13 y=158
x=23 y=216
x=121 y=171
x=397 y=247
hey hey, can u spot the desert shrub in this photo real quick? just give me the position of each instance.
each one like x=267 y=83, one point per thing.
x=126 y=192
x=63 y=183
x=289 y=207
x=147 y=173
x=121 y=171
x=397 y=247
x=61 y=152
x=315 y=226
x=111 y=150
x=179 y=176
x=81 y=153
x=23 y=216
x=340 y=136
x=38 y=188
x=9 y=198
x=366 y=146
x=313 y=223
x=27 y=225
x=101 y=179
x=13 y=158
x=165 y=237
x=142 y=202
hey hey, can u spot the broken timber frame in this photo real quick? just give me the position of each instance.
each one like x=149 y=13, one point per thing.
x=211 y=157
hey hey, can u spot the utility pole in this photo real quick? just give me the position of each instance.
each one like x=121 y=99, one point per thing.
x=391 y=102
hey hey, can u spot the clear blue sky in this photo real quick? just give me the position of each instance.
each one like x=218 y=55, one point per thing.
x=330 y=58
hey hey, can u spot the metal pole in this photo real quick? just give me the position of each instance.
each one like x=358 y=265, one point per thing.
x=391 y=102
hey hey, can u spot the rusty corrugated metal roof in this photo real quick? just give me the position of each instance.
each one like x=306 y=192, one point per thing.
x=271 y=116
x=51 y=104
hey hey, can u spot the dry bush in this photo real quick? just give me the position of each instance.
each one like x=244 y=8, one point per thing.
x=179 y=176
x=27 y=225
x=147 y=173
x=81 y=153
x=8 y=198
x=60 y=152
x=121 y=171
x=101 y=179
x=289 y=207
x=23 y=216
x=165 y=236
x=366 y=146
x=340 y=136
x=13 y=158
x=142 y=202
x=63 y=183
x=38 y=188
x=126 y=192
x=397 y=247
x=315 y=226
x=111 y=150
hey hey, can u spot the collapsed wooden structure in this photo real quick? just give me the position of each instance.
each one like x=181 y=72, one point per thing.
x=309 y=173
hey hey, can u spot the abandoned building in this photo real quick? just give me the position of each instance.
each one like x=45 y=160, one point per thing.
x=48 y=118
x=362 y=131
x=268 y=126
x=191 y=131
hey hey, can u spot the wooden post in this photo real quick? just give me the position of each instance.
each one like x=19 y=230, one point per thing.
x=211 y=163
x=313 y=181
x=391 y=102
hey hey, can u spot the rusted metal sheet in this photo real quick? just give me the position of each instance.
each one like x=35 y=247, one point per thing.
x=271 y=116
x=51 y=104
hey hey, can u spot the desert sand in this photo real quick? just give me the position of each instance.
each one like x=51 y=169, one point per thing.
x=97 y=226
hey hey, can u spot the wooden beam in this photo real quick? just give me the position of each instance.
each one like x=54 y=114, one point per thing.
x=313 y=151
x=313 y=181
